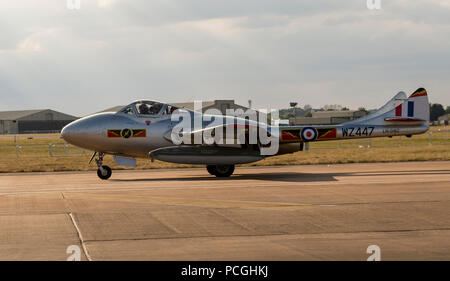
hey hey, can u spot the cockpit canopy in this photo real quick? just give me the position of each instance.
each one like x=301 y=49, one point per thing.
x=148 y=108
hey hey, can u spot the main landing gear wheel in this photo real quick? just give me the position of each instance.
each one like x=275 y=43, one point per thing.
x=211 y=169
x=103 y=172
x=220 y=171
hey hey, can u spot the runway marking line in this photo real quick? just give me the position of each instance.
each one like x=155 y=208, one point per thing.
x=80 y=236
x=273 y=235
x=214 y=203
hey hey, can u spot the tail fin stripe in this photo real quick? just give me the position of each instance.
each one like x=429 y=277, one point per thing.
x=398 y=110
x=410 y=108
x=419 y=93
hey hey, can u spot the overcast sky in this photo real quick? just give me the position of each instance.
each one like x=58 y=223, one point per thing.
x=317 y=52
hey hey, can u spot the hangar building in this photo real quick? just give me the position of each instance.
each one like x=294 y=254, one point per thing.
x=327 y=117
x=221 y=105
x=443 y=120
x=33 y=121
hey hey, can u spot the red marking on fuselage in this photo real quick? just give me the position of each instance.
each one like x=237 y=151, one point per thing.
x=403 y=119
x=331 y=134
x=286 y=136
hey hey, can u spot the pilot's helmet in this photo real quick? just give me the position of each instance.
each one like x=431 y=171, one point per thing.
x=143 y=109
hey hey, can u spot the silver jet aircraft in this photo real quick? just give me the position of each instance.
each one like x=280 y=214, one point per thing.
x=154 y=130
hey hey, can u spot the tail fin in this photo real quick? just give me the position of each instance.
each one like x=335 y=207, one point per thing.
x=400 y=111
x=418 y=105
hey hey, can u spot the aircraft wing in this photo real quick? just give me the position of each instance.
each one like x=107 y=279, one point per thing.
x=221 y=134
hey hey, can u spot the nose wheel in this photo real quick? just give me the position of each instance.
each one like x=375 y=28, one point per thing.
x=103 y=172
x=220 y=171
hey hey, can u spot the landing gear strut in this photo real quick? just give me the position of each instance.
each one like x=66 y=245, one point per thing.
x=220 y=171
x=103 y=172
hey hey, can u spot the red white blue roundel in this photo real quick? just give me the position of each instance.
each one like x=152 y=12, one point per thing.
x=309 y=134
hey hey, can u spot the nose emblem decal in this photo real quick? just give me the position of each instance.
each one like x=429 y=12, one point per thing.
x=127 y=133
x=114 y=134
x=148 y=122
x=139 y=133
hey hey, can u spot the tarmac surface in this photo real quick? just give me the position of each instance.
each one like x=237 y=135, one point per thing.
x=320 y=212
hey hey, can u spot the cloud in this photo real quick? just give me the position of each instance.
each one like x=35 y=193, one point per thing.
x=106 y=3
x=273 y=52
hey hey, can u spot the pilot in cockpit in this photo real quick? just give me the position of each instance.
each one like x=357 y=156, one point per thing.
x=156 y=108
x=143 y=109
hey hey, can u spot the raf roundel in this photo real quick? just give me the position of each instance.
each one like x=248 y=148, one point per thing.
x=309 y=134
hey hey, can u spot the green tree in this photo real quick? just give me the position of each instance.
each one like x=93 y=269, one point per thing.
x=308 y=114
x=363 y=109
x=447 y=110
x=436 y=110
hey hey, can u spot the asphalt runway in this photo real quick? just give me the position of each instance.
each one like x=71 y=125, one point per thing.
x=320 y=212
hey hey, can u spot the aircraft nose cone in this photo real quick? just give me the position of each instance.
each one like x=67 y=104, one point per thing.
x=77 y=131
x=68 y=132
x=87 y=132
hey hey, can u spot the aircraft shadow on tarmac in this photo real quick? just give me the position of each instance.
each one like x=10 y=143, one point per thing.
x=291 y=176
x=285 y=176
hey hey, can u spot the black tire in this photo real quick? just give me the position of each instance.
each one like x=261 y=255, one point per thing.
x=211 y=169
x=223 y=171
x=106 y=175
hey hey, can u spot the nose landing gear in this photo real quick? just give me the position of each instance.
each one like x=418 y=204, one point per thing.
x=220 y=171
x=103 y=172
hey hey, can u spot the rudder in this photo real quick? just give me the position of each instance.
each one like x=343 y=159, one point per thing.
x=418 y=105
